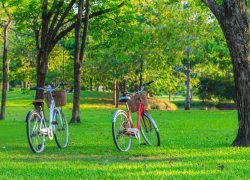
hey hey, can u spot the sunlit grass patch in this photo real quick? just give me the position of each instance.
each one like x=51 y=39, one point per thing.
x=194 y=145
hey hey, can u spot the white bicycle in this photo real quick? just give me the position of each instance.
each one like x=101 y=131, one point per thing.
x=36 y=126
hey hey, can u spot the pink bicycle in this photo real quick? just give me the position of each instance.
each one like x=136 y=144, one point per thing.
x=123 y=128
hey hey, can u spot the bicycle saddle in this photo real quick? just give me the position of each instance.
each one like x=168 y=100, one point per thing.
x=124 y=99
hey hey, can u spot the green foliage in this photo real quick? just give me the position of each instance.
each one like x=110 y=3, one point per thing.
x=155 y=33
x=220 y=88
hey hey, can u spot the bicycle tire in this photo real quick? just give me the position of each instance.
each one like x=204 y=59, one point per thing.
x=122 y=141
x=149 y=130
x=33 y=126
x=60 y=129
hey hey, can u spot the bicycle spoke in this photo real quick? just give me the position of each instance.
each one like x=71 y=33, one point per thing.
x=35 y=138
x=60 y=129
x=119 y=128
x=149 y=131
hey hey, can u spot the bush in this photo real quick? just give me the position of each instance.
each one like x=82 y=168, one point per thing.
x=220 y=88
x=161 y=104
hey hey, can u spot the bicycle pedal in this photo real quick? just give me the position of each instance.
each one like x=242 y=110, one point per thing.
x=132 y=131
x=143 y=143
x=44 y=131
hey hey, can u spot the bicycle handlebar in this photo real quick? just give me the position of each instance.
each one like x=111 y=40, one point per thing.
x=142 y=88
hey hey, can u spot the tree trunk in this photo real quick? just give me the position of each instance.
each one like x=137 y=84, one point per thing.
x=25 y=85
x=120 y=87
x=188 y=100
x=91 y=84
x=124 y=85
x=238 y=35
x=77 y=88
x=117 y=94
x=141 y=74
x=233 y=19
x=77 y=67
x=5 y=69
x=79 y=54
x=8 y=83
x=42 y=67
x=114 y=93
x=169 y=96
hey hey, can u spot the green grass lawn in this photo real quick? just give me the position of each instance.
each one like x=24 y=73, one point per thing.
x=196 y=103
x=194 y=144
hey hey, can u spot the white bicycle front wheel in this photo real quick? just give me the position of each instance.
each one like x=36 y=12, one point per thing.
x=35 y=136
x=120 y=124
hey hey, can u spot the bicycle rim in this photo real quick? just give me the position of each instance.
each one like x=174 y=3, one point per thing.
x=149 y=130
x=60 y=129
x=34 y=125
x=120 y=123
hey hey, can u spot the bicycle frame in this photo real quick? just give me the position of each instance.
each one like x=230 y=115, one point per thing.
x=123 y=128
x=140 y=112
x=49 y=130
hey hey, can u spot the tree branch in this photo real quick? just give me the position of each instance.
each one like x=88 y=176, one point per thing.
x=45 y=22
x=37 y=39
x=214 y=7
x=56 y=12
x=85 y=32
x=60 y=21
x=69 y=28
x=98 y=13
x=6 y=11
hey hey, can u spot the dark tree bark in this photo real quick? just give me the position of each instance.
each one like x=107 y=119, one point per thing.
x=141 y=73
x=116 y=93
x=5 y=69
x=91 y=84
x=120 y=87
x=188 y=84
x=233 y=19
x=124 y=85
x=79 y=54
x=77 y=67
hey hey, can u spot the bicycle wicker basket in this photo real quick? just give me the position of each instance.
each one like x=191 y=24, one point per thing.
x=133 y=103
x=60 y=98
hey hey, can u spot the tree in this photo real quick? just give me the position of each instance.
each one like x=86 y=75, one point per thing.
x=57 y=20
x=233 y=19
x=6 y=29
x=78 y=58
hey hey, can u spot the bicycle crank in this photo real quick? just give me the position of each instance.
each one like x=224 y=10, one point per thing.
x=134 y=132
x=47 y=132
